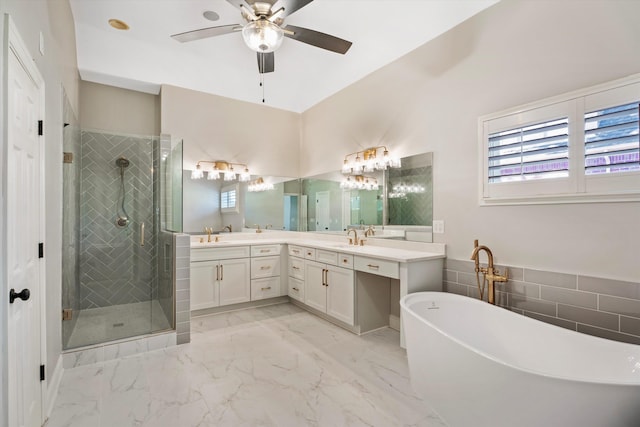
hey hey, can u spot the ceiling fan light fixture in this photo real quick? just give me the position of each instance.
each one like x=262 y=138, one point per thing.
x=262 y=36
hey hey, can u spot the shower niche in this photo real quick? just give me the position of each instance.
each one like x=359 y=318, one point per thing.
x=117 y=253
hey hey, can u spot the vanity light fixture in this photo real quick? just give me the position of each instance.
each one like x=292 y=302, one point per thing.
x=259 y=185
x=359 y=182
x=221 y=166
x=368 y=160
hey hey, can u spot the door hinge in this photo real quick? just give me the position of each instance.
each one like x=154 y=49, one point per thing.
x=41 y=372
x=40 y=127
x=40 y=250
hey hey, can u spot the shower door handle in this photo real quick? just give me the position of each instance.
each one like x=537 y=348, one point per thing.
x=142 y=234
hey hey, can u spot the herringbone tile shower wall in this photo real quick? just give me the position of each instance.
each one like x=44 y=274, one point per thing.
x=414 y=208
x=114 y=267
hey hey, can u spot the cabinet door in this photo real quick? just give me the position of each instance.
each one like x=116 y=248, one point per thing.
x=315 y=293
x=235 y=284
x=204 y=285
x=340 y=294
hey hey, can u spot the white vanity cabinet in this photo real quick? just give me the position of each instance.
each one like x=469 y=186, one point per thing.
x=329 y=288
x=219 y=276
x=296 y=272
x=265 y=272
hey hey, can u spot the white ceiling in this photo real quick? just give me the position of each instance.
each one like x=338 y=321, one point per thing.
x=145 y=56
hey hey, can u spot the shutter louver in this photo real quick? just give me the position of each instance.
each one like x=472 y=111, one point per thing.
x=537 y=151
x=611 y=140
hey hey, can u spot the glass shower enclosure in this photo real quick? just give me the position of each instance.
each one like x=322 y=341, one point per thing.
x=117 y=253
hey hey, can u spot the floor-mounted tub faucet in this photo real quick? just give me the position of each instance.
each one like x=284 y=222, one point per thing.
x=490 y=273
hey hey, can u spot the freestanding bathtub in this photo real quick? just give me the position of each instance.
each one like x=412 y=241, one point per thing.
x=479 y=365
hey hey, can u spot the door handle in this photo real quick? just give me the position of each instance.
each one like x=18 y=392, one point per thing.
x=217 y=273
x=221 y=273
x=23 y=295
x=142 y=234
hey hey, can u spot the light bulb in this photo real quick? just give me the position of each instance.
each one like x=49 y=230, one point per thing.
x=197 y=173
x=262 y=36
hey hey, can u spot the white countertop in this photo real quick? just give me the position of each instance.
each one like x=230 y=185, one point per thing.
x=393 y=250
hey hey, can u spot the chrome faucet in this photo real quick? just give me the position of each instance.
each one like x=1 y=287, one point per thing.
x=353 y=241
x=491 y=274
x=228 y=227
x=258 y=230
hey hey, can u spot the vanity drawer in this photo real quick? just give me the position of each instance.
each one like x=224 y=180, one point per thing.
x=376 y=266
x=265 y=250
x=296 y=289
x=265 y=267
x=296 y=251
x=265 y=288
x=228 y=252
x=328 y=257
x=310 y=253
x=345 y=260
x=296 y=268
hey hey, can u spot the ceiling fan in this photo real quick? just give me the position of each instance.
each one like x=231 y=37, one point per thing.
x=265 y=29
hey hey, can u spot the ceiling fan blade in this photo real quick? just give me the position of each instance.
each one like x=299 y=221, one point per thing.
x=266 y=62
x=291 y=6
x=203 y=33
x=318 y=39
x=238 y=3
x=249 y=3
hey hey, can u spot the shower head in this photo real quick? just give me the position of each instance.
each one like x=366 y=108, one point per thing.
x=122 y=162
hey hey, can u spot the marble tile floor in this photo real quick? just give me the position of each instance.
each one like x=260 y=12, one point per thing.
x=102 y=324
x=270 y=366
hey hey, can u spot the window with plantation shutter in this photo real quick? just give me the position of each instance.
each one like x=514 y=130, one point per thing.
x=536 y=151
x=579 y=147
x=611 y=142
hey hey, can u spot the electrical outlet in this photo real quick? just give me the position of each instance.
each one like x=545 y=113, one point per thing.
x=438 y=227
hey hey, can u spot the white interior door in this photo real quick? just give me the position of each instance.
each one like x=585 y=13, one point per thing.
x=25 y=100
x=323 y=217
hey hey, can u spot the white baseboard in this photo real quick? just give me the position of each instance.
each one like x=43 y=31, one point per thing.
x=394 y=322
x=53 y=385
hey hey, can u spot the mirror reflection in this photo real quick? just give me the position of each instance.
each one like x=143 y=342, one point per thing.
x=403 y=201
x=277 y=208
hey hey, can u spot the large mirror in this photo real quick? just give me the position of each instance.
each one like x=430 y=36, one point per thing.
x=402 y=202
x=274 y=203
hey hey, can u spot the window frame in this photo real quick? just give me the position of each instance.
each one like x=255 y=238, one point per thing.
x=578 y=187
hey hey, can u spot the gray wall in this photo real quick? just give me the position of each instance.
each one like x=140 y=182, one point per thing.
x=430 y=100
x=118 y=110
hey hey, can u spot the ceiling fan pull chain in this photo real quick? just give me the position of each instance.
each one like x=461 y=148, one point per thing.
x=262 y=77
